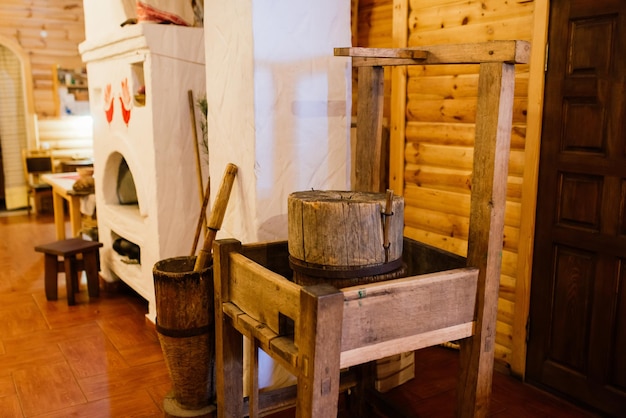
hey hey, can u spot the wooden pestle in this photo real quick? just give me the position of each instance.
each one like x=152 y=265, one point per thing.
x=216 y=217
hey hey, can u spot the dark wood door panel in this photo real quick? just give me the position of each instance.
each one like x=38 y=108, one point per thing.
x=581 y=356
x=572 y=303
x=577 y=331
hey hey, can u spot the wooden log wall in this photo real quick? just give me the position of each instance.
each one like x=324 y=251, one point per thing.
x=373 y=31
x=49 y=31
x=435 y=118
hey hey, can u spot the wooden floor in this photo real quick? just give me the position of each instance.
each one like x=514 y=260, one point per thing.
x=101 y=358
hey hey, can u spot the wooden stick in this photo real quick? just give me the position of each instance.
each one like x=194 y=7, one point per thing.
x=217 y=216
x=194 y=130
x=202 y=218
x=192 y=116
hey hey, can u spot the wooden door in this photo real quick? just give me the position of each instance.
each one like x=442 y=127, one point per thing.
x=577 y=329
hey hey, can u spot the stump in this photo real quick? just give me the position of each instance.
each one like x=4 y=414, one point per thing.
x=345 y=238
x=348 y=238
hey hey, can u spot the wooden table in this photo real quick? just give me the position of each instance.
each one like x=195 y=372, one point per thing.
x=62 y=190
x=71 y=165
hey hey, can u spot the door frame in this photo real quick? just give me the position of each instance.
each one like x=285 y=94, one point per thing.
x=530 y=185
x=27 y=82
x=16 y=194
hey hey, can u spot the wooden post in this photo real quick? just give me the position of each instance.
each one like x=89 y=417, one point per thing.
x=228 y=354
x=397 y=111
x=253 y=377
x=489 y=180
x=319 y=344
x=368 y=164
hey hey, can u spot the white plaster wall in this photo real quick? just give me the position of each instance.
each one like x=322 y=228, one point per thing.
x=103 y=17
x=278 y=106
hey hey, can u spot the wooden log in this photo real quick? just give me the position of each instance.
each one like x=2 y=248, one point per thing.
x=342 y=228
x=339 y=237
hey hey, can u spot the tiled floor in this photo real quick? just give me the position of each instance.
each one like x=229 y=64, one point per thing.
x=101 y=358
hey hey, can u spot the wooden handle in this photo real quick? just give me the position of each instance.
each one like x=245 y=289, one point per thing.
x=216 y=217
x=387 y=218
x=202 y=218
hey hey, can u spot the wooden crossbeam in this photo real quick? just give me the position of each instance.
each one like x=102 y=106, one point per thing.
x=510 y=52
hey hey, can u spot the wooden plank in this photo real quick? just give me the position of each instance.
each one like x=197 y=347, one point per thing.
x=517 y=52
x=427 y=4
x=457 y=157
x=441 y=223
x=406 y=307
x=261 y=293
x=13 y=13
x=410 y=54
x=285 y=352
x=453 y=245
x=275 y=400
x=459 y=110
x=368 y=164
x=507 y=293
x=375 y=24
x=395 y=370
x=283 y=347
x=354 y=21
x=457 y=181
x=458 y=134
x=493 y=127
x=441 y=178
x=266 y=339
x=423 y=259
x=442 y=70
x=410 y=343
x=516 y=27
x=465 y=13
x=397 y=112
x=448 y=86
x=271 y=255
x=529 y=187
x=455 y=203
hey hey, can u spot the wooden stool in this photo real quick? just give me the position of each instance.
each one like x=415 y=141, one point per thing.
x=68 y=249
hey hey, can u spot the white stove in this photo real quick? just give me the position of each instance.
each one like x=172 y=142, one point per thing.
x=139 y=78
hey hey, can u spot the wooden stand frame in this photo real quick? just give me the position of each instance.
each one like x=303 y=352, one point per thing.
x=328 y=332
x=328 y=323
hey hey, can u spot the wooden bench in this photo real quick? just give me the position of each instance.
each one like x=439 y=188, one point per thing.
x=72 y=265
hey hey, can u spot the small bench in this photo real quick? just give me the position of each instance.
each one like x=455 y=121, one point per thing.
x=68 y=249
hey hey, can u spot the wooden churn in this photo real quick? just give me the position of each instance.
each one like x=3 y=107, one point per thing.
x=186 y=331
x=345 y=238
